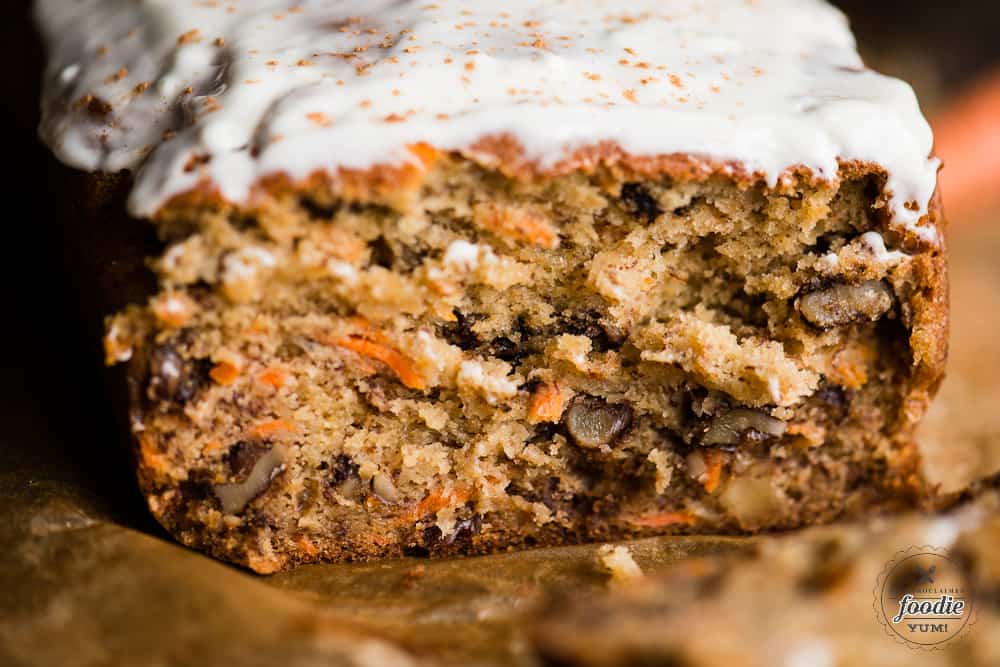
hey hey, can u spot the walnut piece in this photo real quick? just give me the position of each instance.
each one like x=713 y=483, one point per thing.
x=842 y=304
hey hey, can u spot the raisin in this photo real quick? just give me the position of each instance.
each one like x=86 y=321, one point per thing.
x=589 y=324
x=172 y=377
x=195 y=489
x=593 y=422
x=506 y=349
x=459 y=333
x=545 y=490
x=238 y=221
x=411 y=256
x=729 y=428
x=674 y=443
x=242 y=456
x=431 y=537
x=382 y=253
x=342 y=469
x=465 y=530
x=639 y=202
x=317 y=210
x=545 y=432
x=834 y=398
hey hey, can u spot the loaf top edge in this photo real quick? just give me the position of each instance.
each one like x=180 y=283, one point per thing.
x=229 y=93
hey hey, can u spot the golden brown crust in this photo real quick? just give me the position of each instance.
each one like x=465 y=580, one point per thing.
x=389 y=184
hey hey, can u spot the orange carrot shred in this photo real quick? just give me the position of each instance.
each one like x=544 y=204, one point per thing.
x=307 y=545
x=264 y=429
x=224 y=373
x=273 y=377
x=518 y=225
x=435 y=501
x=426 y=153
x=211 y=447
x=399 y=364
x=438 y=500
x=150 y=456
x=713 y=469
x=547 y=403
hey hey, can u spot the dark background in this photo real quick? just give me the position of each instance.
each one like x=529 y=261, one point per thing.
x=53 y=405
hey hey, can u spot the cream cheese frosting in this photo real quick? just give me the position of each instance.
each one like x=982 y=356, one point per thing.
x=178 y=91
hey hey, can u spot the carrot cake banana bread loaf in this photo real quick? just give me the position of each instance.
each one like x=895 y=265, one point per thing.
x=451 y=277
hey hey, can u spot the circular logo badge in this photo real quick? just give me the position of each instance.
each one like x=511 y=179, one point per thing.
x=922 y=598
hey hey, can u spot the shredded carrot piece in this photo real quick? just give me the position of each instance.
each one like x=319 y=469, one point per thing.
x=547 y=403
x=665 y=519
x=150 y=457
x=437 y=500
x=426 y=153
x=850 y=372
x=399 y=364
x=518 y=225
x=307 y=545
x=211 y=447
x=273 y=377
x=265 y=429
x=259 y=325
x=224 y=373
x=713 y=469
x=434 y=502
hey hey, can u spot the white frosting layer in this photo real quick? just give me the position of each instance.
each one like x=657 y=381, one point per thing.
x=245 y=89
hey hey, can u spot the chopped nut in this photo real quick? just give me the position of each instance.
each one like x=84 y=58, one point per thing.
x=384 y=488
x=843 y=304
x=244 y=271
x=592 y=422
x=618 y=561
x=638 y=201
x=664 y=469
x=729 y=427
x=490 y=379
x=235 y=497
x=755 y=503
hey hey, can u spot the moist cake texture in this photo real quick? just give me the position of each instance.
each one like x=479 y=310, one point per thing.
x=450 y=278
